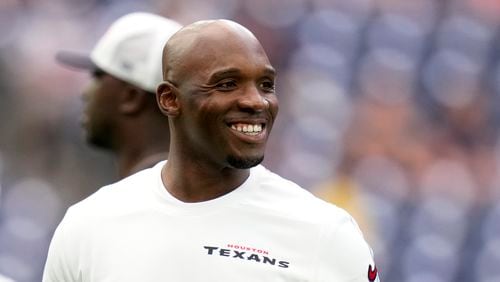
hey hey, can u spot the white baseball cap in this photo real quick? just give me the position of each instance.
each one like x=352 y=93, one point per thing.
x=131 y=49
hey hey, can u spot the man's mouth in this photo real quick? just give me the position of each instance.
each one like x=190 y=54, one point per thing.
x=248 y=128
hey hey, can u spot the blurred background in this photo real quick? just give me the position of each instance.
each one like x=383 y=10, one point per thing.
x=389 y=108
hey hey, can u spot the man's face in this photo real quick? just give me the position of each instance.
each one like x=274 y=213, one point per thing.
x=100 y=112
x=228 y=103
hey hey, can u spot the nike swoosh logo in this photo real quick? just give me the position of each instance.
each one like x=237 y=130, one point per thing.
x=372 y=273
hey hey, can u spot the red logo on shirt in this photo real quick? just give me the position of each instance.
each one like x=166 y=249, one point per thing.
x=372 y=273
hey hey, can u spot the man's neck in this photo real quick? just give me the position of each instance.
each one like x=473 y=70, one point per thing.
x=139 y=145
x=129 y=164
x=194 y=182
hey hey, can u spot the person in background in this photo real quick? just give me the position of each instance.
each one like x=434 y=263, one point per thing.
x=121 y=113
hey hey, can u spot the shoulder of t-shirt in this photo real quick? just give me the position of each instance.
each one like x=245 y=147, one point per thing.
x=126 y=192
x=286 y=193
x=344 y=254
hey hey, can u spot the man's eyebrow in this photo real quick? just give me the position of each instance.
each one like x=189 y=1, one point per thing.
x=220 y=74
x=270 y=71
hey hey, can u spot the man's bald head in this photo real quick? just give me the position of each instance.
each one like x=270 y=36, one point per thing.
x=218 y=79
x=203 y=41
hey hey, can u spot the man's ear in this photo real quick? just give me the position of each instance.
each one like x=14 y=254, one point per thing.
x=132 y=100
x=167 y=99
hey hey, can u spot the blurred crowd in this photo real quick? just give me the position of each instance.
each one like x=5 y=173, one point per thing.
x=389 y=108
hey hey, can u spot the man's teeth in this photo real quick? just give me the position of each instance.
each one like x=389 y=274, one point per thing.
x=251 y=129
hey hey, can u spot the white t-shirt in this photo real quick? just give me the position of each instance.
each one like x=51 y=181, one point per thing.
x=5 y=279
x=268 y=229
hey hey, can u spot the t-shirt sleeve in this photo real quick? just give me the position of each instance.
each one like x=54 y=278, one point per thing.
x=60 y=265
x=5 y=279
x=344 y=255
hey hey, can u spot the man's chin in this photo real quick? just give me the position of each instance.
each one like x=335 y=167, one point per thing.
x=244 y=163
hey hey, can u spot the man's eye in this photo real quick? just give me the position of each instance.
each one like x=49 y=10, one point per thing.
x=98 y=73
x=268 y=86
x=226 y=85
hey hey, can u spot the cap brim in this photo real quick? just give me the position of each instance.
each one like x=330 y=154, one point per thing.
x=75 y=60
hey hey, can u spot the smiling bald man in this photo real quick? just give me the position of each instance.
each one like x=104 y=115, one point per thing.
x=212 y=212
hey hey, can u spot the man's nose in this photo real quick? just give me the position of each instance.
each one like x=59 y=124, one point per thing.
x=253 y=100
x=86 y=93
